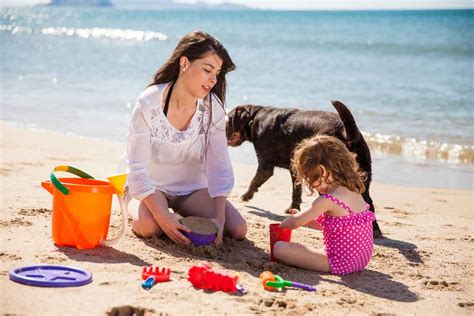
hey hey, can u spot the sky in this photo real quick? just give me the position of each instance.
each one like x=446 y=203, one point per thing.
x=314 y=4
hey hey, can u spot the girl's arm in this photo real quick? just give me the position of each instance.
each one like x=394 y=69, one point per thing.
x=319 y=206
x=314 y=225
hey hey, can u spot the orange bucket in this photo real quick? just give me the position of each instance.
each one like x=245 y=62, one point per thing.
x=81 y=209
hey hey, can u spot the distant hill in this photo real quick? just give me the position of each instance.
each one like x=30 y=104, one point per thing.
x=81 y=3
x=170 y=4
x=147 y=4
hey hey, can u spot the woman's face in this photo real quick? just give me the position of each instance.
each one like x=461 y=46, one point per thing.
x=201 y=74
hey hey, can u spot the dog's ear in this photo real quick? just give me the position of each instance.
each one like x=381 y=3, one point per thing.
x=239 y=118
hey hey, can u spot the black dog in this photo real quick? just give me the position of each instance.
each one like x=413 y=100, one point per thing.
x=275 y=132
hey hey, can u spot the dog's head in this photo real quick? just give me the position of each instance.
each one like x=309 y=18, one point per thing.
x=239 y=124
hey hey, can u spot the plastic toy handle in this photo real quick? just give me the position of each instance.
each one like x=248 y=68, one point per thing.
x=64 y=190
x=148 y=284
x=277 y=282
x=302 y=286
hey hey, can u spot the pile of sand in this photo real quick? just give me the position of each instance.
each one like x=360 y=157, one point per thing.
x=200 y=225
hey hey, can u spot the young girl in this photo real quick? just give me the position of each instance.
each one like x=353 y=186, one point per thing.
x=324 y=164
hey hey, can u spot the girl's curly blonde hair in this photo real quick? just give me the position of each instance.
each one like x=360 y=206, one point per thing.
x=333 y=155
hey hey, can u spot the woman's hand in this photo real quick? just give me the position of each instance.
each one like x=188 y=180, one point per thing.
x=220 y=226
x=171 y=226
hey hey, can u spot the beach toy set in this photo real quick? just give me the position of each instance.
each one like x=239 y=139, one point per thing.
x=203 y=276
x=153 y=275
x=81 y=217
x=278 y=234
x=82 y=208
x=50 y=276
x=273 y=282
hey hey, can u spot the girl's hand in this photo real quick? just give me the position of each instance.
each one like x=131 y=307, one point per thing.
x=318 y=207
x=171 y=226
x=287 y=223
x=220 y=232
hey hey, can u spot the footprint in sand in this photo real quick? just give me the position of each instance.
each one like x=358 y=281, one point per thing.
x=5 y=171
x=34 y=211
x=396 y=224
x=8 y=257
x=343 y=301
x=15 y=223
x=400 y=213
x=442 y=285
x=31 y=163
x=131 y=311
x=274 y=304
x=466 y=304
x=264 y=265
x=51 y=259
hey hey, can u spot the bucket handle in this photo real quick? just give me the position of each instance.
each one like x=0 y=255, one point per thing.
x=63 y=189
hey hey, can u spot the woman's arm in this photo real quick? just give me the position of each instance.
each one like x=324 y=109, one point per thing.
x=139 y=151
x=169 y=222
x=140 y=186
x=220 y=176
x=318 y=207
x=219 y=220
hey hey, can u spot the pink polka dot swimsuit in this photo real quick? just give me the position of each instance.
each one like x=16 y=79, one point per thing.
x=348 y=239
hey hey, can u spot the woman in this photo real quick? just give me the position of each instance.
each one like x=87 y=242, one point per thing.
x=177 y=148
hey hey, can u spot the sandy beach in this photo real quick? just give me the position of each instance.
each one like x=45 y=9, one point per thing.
x=422 y=266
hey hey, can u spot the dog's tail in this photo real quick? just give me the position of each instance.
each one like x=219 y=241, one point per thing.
x=352 y=131
x=356 y=143
x=354 y=140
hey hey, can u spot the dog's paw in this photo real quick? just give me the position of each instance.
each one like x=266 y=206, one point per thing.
x=246 y=196
x=292 y=211
x=378 y=233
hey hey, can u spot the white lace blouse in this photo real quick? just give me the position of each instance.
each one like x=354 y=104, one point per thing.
x=172 y=161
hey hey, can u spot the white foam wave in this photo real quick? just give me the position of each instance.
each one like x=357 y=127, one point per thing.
x=420 y=150
x=119 y=34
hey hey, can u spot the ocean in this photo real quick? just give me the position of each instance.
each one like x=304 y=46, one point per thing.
x=407 y=76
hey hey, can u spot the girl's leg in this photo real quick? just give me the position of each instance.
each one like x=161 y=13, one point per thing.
x=143 y=222
x=199 y=203
x=301 y=256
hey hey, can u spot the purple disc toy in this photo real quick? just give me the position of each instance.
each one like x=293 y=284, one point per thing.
x=51 y=276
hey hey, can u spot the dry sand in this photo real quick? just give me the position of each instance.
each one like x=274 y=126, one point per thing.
x=423 y=266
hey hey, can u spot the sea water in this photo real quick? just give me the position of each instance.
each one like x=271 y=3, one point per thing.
x=407 y=76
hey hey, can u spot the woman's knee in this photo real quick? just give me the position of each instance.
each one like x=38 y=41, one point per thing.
x=238 y=231
x=146 y=228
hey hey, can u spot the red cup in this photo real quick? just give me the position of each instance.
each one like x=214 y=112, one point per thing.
x=278 y=234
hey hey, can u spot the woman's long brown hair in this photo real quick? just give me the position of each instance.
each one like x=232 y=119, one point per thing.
x=195 y=45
